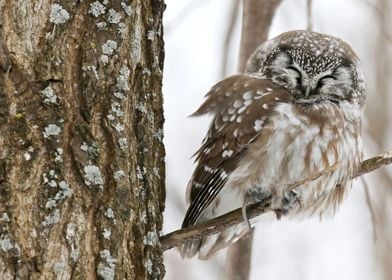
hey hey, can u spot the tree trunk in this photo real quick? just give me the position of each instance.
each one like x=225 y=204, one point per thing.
x=81 y=152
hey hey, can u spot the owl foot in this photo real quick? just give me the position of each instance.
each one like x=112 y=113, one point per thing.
x=289 y=200
x=245 y=217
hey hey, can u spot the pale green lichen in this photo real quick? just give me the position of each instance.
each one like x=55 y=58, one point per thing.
x=118 y=175
x=109 y=213
x=109 y=47
x=52 y=218
x=97 y=9
x=122 y=79
x=148 y=266
x=104 y=59
x=71 y=236
x=107 y=266
x=59 y=267
x=127 y=8
x=116 y=109
x=123 y=143
x=150 y=35
x=140 y=172
x=92 y=149
x=5 y=218
x=146 y=71
x=49 y=95
x=65 y=192
x=119 y=127
x=155 y=171
x=53 y=174
x=52 y=183
x=27 y=156
x=159 y=135
x=114 y=16
x=59 y=155
x=58 y=15
x=141 y=108
x=143 y=217
x=92 y=175
x=51 y=130
x=119 y=95
x=136 y=37
x=102 y=25
x=107 y=233
x=5 y=244
x=150 y=238
x=122 y=29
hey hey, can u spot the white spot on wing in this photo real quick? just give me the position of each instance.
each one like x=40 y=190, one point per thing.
x=248 y=102
x=237 y=104
x=208 y=169
x=240 y=110
x=231 y=110
x=227 y=153
x=258 y=125
x=247 y=95
x=223 y=175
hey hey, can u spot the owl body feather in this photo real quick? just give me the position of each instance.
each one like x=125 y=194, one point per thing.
x=271 y=131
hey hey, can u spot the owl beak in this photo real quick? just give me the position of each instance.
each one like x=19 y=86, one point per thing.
x=307 y=92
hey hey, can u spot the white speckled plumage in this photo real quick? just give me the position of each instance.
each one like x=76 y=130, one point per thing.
x=295 y=112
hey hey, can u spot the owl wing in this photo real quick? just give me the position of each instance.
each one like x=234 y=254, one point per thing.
x=241 y=105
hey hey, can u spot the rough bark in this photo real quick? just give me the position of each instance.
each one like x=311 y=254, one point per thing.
x=81 y=153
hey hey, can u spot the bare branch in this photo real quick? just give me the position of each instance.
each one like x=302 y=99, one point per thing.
x=309 y=15
x=234 y=14
x=221 y=223
x=257 y=18
x=256 y=21
x=373 y=213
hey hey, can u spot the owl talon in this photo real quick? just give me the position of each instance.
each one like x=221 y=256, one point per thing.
x=245 y=217
x=279 y=213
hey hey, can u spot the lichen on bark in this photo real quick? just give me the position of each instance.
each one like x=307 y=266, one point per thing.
x=81 y=154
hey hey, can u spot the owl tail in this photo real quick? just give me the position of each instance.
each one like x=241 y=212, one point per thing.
x=208 y=246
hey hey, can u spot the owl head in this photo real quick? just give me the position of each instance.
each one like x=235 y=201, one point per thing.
x=313 y=67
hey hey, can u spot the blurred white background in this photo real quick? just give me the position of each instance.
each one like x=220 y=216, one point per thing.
x=341 y=248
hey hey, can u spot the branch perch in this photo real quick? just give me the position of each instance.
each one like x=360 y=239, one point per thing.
x=234 y=217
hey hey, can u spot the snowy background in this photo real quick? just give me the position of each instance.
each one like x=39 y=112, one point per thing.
x=340 y=248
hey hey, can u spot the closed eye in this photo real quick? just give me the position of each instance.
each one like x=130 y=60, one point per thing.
x=334 y=98
x=321 y=81
x=299 y=78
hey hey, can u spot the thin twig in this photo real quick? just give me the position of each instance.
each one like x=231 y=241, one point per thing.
x=309 y=14
x=221 y=223
x=257 y=18
x=372 y=211
x=236 y=217
x=229 y=35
